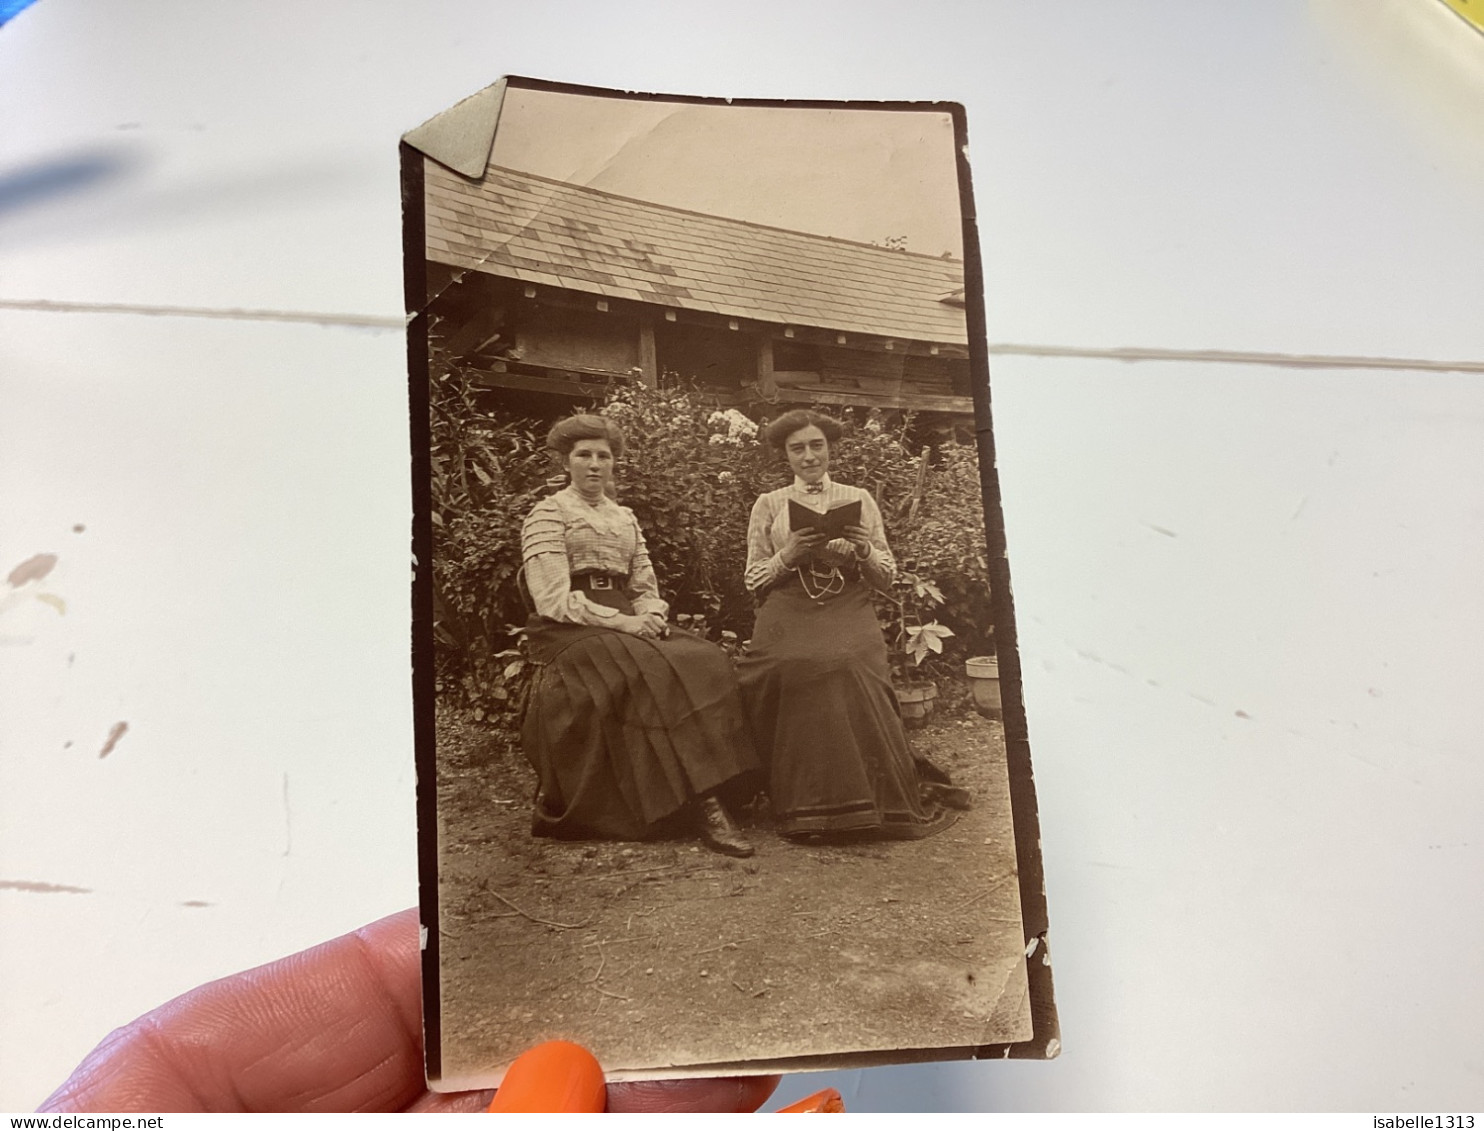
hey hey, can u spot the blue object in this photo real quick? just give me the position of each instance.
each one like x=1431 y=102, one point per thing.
x=9 y=9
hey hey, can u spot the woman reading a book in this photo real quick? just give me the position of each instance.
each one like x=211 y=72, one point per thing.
x=631 y=726
x=815 y=682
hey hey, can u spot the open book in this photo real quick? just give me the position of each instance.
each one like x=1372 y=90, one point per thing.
x=832 y=523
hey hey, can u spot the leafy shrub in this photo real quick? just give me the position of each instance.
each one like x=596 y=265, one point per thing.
x=691 y=475
x=487 y=473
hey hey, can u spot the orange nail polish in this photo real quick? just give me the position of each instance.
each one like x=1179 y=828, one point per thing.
x=554 y=1076
x=827 y=1100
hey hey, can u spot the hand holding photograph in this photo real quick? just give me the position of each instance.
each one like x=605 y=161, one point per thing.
x=709 y=563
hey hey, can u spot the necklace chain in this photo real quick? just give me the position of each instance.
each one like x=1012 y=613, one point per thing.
x=834 y=582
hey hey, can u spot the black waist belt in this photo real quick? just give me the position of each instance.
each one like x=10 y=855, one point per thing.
x=610 y=590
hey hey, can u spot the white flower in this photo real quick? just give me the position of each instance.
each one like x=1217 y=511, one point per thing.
x=733 y=427
x=739 y=424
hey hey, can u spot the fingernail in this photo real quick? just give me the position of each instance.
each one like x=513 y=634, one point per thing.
x=827 y=1100
x=554 y=1076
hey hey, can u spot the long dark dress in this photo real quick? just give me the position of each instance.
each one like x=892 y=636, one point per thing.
x=624 y=733
x=817 y=688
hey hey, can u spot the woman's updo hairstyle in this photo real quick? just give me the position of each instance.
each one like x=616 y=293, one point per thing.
x=777 y=432
x=565 y=434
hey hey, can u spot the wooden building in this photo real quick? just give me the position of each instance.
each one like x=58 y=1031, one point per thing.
x=554 y=289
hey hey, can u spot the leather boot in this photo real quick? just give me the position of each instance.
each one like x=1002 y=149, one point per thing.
x=949 y=796
x=718 y=833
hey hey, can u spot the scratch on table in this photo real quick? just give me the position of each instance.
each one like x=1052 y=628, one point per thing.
x=42 y=888
x=33 y=568
x=115 y=732
x=1093 y=657
x=317 y=318
x=288 y=819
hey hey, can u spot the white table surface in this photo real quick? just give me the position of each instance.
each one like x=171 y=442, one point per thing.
x=1248 y=595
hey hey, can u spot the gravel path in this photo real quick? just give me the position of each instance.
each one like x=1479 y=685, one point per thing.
x=663 y=954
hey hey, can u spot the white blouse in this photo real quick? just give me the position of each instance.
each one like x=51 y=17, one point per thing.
x=565 y=534
x=768 y=531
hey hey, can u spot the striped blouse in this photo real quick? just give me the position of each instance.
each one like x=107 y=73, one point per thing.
x=768 y=531
x=564 y=534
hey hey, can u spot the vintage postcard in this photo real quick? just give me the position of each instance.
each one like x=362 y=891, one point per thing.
x=722 y=759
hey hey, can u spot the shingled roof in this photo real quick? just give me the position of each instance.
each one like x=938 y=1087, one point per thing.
x=555 y=234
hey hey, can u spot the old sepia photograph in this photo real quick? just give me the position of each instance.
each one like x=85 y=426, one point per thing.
x=722 y=760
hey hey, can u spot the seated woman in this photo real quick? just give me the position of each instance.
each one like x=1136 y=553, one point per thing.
x=631 y=726
x=816 y=683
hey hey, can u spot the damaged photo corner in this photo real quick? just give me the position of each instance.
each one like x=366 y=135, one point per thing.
x=722 y=761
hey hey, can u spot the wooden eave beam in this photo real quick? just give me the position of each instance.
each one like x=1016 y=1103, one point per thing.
x=567 y=299
x=916 y=402
x=528 y=384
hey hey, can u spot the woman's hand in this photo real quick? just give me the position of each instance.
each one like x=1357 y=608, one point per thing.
x=839 y=550
x=336 y=1028
x=800 y=546
x=856 y=544
x=859 y=540
x=655 y=625
x=649 y=626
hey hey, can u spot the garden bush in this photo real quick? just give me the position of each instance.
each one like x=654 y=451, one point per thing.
x=691 y=474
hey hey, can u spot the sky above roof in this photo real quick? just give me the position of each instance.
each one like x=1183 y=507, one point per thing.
x=864 y=175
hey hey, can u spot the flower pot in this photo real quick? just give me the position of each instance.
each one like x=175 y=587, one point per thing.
x=984 y=683
x=917 y=701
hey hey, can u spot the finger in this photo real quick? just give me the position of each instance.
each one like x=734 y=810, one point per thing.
x=730 y=1094
x=453 y=1101
x=335 y=1028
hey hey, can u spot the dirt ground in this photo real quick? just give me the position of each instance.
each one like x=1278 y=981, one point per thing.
x=664 y=954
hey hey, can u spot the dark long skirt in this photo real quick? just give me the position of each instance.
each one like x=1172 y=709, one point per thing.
x=817 y=689
x=625 y=733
